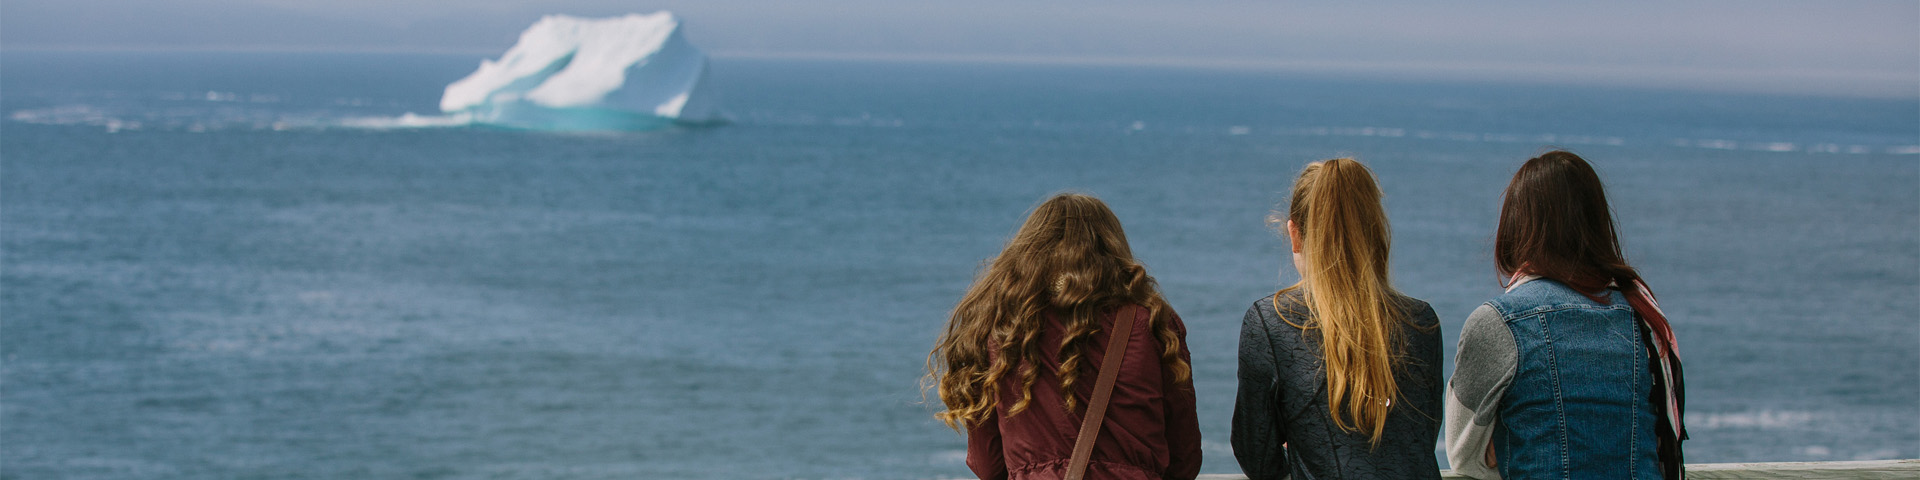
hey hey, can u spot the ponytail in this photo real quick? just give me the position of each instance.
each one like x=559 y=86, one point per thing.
x=1344 y=241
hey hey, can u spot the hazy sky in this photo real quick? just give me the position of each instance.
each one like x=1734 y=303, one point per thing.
x=1826 y=47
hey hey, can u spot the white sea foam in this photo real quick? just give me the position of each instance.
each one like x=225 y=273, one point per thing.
x=201 y=120
x=73 y=115
x=220 y=114
x=949 y=457
x=408 y=120
x=1762 y=419
x=1717 y=144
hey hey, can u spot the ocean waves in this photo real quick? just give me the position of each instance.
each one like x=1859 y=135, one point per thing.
x=216 y=111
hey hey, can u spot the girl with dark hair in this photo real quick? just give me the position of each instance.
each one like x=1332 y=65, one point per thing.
x=1017 y=363
x=1572 y=373
x=1339 y=373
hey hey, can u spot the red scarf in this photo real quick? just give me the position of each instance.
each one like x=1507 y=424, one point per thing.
x=1667 y=350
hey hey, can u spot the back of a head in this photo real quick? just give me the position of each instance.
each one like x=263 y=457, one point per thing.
x=1555 y=222
x=1336 y=206
x=1345 y=241
x=1071 y=258
x=1073 y=248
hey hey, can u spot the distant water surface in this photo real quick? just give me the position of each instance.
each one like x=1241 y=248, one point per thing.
x=240 y=265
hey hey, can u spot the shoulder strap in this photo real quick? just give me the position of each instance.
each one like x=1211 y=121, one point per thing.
x=1102 y=391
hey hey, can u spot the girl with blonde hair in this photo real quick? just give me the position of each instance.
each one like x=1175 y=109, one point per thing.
x=1016 y=366
x=1339 y=373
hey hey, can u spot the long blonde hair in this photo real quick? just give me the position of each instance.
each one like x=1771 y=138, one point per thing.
x=1344 y=241
x=1071 y=260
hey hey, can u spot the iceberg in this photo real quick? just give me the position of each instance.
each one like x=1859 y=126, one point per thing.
x=634 y=72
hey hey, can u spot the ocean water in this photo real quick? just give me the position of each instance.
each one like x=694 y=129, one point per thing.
x=248 y=266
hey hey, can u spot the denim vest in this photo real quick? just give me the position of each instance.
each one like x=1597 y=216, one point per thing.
x=1579 y=404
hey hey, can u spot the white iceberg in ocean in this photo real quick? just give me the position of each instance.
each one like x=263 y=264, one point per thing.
x=635 y=72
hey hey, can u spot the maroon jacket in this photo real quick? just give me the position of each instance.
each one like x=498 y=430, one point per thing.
x=1150 y=431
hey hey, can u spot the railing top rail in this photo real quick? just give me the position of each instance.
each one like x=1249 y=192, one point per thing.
x=1866 y=470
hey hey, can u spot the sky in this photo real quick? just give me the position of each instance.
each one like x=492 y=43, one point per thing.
x=1841 y=47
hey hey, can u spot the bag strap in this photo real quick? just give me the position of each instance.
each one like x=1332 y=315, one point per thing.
x=1102 y=391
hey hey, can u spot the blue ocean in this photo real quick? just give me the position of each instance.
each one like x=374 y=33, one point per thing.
x=254 y=265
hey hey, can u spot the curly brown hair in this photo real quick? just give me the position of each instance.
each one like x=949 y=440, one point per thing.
x=1069 y=261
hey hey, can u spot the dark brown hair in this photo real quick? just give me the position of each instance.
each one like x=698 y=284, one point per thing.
x=1069 y=263
x=1555 y=223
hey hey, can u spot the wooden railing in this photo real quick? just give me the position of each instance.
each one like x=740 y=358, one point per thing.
x=1874 y=470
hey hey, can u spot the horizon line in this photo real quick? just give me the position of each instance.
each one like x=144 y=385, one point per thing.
x=1841 y=83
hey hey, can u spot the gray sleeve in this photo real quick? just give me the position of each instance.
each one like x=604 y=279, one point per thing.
x=1483 y=368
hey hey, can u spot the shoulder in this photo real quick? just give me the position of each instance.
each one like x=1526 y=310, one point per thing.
x=1141 y=329
x=1421 y=326
x=1290 y=297
x=1418 y=311
x=1275 y=307
x=1531 y=292
x=1537 y=296
x=1290 y=304
x=1486 y=330
x=1516 y=298
x=1485 y=317
x=1486 y=356
x=1173 y=320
